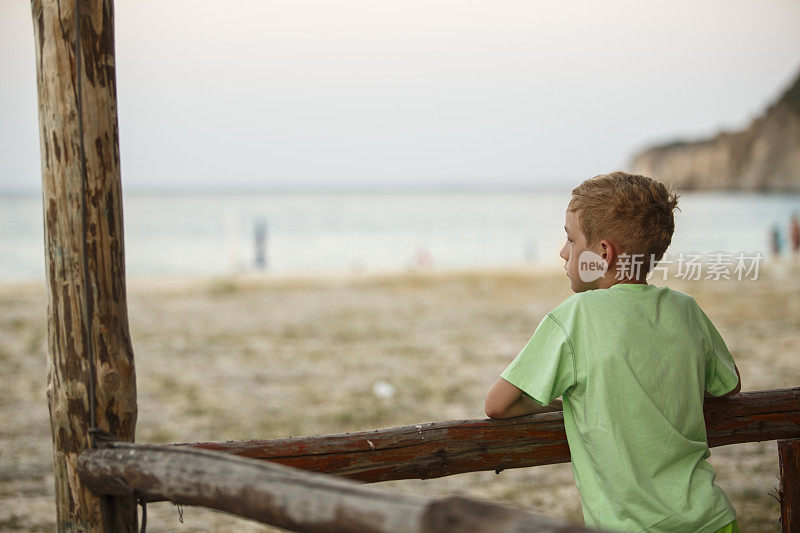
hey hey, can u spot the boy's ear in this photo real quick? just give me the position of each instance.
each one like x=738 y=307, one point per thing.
x=609 y=253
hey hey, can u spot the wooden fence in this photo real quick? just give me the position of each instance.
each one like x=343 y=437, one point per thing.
x=438 y=449
x=419 y=451
x=289 y=497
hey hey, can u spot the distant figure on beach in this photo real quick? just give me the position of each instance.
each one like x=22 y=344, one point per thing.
x=794 y=234
x=423 y=258
x=261 y=244
x=775 y=240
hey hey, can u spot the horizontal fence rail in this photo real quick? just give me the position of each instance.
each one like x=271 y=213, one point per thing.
x=288 y=497
x=439 y=449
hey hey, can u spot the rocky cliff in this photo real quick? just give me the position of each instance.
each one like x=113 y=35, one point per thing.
x=763 y=157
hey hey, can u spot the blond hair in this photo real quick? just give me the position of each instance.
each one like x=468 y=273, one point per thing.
x=633 y=212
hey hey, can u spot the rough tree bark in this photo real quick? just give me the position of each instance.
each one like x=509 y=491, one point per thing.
x=290 y=498
x=438 y=449
x=789 y=464
x=87 y=309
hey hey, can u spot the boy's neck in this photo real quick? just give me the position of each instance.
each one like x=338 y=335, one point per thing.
x=609 y=281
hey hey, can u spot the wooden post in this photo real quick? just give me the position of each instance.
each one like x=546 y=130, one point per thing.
x=87 y=322
x=789 y=463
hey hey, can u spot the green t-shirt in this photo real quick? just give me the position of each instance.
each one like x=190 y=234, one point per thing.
x=632 y=362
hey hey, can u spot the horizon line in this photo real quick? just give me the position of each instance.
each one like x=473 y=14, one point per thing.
x=316 y=189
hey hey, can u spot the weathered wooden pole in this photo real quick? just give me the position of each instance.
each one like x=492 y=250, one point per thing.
x=789 y=464
x=87 y=324
x=291 y=498
x=436 y=449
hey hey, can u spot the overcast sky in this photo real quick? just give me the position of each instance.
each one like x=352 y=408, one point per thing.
x=414 y=93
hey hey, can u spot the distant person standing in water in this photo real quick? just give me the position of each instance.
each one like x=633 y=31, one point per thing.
x=261 y=244
x=794 y=234
x=775 y=241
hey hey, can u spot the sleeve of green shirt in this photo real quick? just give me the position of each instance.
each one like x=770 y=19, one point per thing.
x=545 y=368
x=721 y=377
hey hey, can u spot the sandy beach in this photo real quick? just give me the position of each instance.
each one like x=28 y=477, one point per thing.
x=250 y=357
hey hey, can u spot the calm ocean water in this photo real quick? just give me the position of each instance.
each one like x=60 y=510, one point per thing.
x=207 y=234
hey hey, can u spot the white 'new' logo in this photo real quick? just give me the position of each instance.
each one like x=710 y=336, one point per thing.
x=591 y=266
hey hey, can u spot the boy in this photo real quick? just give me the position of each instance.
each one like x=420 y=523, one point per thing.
x=632 y=362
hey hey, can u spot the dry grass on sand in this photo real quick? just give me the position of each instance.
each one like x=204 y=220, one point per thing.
x=245 y=358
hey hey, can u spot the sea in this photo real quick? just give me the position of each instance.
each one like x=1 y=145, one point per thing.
x=171 y=234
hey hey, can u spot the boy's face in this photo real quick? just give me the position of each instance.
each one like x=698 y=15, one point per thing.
x=587 y=267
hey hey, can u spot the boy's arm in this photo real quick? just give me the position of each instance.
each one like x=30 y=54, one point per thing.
x=505 y=400
x=731 y=393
